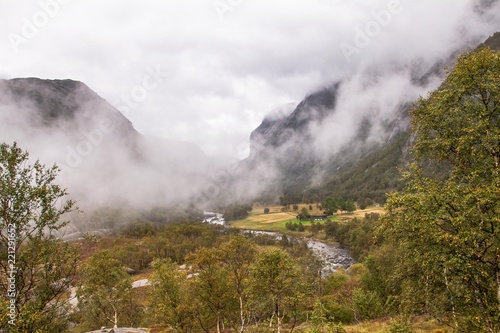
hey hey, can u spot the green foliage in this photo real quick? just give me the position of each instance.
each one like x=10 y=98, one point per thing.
x=367 y=304
x=304 y=213
x=178 y=240
x=237 y=255
x=39 y=266
x=337 y=299
x=133 y=255
x=275 y=284
x=330 y=204
x=315 y=227
x=331 y=229
x=170 y=298
x=335 y=328
x=358 y=234
x=318 y=315
x=347 y=206
x=237 y=212
x=139 y=230
x=400 y=326
x=382 y=275
x=292 y=226
x=105 y=293
x=365 y=202
x=211 y=290
x=447 y=223
x=266 y=210
x=301 y=227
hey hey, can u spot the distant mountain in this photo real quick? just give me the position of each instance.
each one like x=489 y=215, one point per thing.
x=348 y=139
x=493 y=42
x=292 y=170
x=288 y=163
x=103 y=159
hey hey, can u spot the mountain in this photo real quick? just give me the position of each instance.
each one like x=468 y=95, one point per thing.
x=103 y=159
x=306 y=154
x=348 y=139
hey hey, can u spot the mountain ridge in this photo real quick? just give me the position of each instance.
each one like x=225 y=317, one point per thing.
x=103 y=159
x=282 y=146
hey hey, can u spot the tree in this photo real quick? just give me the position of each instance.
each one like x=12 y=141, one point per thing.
x=348 y=206
x=275 y=284
x=36 y=269
x=237 y=255
x=447 y=216
x=211 y=292
x=301 y=227
x=170 y=299
x=304 y=213
x=330 y=205
x=235 y=212
x=105 y=290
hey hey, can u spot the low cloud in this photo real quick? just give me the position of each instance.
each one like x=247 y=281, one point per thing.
x=219 y=78
x=263 y=54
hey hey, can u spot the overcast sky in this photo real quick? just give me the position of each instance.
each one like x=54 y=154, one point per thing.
x=208 y=71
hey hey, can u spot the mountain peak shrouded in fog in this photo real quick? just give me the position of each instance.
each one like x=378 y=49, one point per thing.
x=189 y=72
x=167 y=75
x=349 y=139
x=299 y=151
x=103 y=159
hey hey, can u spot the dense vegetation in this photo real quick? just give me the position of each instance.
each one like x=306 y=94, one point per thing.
x=435 y=253
x=447 y=223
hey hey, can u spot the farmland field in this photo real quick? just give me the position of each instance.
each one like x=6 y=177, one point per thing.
x=276 y=219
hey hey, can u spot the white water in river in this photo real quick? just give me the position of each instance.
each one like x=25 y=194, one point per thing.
x=333 y=256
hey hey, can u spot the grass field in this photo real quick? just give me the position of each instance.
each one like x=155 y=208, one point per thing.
x=276 y=219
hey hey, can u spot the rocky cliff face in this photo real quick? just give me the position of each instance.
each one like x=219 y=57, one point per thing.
x=306 y=154
x=284 y=152
x=277 y=131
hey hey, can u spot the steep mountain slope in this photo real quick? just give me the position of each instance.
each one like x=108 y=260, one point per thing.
x=289 y=162
x=103 y=159
x=363 y=165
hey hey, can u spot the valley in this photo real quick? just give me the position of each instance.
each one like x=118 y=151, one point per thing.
x=253 y=177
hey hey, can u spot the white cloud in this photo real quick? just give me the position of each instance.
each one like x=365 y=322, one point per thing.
x=223 y=75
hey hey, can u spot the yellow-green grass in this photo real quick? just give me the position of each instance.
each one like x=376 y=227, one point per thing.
x=420 y=325
x=360 y=213
x=275 y=220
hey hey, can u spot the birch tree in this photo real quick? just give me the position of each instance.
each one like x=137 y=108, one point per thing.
x=104 y=289
x=448 y=216
x=36 y=268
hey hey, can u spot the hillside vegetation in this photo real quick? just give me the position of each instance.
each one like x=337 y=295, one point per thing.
x=429 y=263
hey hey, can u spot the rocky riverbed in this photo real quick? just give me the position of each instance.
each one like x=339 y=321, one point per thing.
x=333 y=256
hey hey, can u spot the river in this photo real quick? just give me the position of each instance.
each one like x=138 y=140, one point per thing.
x=333 y=256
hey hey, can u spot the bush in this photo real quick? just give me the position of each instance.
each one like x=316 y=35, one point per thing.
x=291 y=226
x=266 y=210
x=367 y=304
x=237 y=212
x=339 y=313
x=301 y=227
x=335 y=328
x=400 y=326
